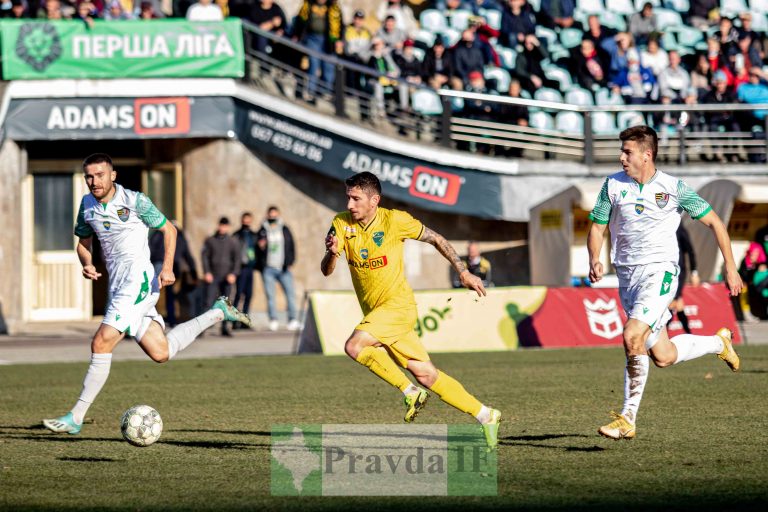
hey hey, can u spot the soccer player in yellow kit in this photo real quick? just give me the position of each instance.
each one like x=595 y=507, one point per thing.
x=372 y=239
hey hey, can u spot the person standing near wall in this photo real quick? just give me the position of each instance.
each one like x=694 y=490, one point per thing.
x=221 y=264
x=247 y=239
x=277 y=253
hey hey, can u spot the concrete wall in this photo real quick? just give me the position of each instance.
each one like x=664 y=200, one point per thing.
x=225 y=178
x=11 y=172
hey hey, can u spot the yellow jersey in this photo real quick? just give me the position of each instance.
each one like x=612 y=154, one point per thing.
x=374 y=254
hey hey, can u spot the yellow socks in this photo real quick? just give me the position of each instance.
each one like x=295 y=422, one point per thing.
x=453 y=393
x=378 y=361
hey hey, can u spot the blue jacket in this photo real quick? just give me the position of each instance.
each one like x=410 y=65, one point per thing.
x=754 y=93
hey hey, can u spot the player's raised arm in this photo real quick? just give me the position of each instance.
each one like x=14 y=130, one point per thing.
x=732 y=279
x=84 y=255
x=166 y=277
x=328 y=264
x=594 y=246
x=468 y=280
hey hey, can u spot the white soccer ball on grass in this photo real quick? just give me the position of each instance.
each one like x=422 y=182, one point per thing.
x=141 y=425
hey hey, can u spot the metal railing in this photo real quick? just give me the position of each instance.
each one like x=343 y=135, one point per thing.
x=685 y=131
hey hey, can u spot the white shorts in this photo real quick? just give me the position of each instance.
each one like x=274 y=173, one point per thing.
x=646 y=292
x=131 y=307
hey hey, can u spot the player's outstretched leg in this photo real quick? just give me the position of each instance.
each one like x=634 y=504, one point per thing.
x=181 y=336
x=690 y=346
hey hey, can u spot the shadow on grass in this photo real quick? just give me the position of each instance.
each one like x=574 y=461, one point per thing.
x=88 y=459
x=530 y=440
x=220 y=445
x=223 y=431
x=541 y=437
x=36 y=426
x=754 y=371
x=66 y=438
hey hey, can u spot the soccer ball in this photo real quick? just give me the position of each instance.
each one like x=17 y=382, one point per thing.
x=141 y=425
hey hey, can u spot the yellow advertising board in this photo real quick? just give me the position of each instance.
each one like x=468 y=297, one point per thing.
x=448 y=320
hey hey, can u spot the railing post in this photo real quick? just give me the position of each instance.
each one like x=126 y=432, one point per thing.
x=445 y=128
x=681 y=134
x=247 y=43
x=589 y=143
x=765 y=135
x=338 y=90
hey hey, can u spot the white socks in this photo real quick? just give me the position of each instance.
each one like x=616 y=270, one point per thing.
x=484 y=416
x=410 y=389
x=181 y=336
x=690 y=346
x=635 y=377
x=95 y=378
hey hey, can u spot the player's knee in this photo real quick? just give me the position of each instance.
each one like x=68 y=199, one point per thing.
x=159 y=356
x=352 y=348
x=663 y=363
x=633 y=340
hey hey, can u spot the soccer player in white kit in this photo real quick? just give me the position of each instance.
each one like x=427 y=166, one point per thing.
x=121 y=220
x=642 y=206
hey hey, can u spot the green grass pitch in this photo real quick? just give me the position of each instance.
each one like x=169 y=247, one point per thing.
x=701 y=440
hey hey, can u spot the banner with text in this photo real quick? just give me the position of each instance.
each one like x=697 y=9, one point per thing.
x=442 y=188
x=459 y=321
x=119 y=118
x=112 y=49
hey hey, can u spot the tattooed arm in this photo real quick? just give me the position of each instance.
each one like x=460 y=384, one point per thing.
x=444 y=247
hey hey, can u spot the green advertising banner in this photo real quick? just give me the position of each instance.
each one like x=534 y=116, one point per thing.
x=118 y=49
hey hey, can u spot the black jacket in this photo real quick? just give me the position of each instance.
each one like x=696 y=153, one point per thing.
x=429 y=67
x=289 y=250
x=221 y=255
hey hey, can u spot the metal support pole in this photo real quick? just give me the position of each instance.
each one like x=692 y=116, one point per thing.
x=338 y=93
x=681 y=134
x=445 y=128
x=589 y=143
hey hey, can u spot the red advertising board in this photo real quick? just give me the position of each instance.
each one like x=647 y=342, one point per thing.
x=571 y=317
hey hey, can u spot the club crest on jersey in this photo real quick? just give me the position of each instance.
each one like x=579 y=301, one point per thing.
x=364 y=253
x=107 y=225
x=123 y=214
x=623 y=193
x=662 y=199
x=378 y=238
x=639 y=209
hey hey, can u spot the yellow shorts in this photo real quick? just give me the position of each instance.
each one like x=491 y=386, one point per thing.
x=394 y=329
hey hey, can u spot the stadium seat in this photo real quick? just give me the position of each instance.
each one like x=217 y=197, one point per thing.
x=732 y=7
x=546 y=34
x=450 y=37
x=560 y=75
x=426 y=102
x=640 y=3
x=507 y=56
x=760 y=6
x=759 y=22
x=425 y=37
x=500 y=76
x=605 y=96
x=459 y=19
x=668 y=41
x=579 y=96
x=541 y=121
x=591 y=6
x=603 y=123
x=681 y=6
x=571 y=37
x=667 y=18
x=492 y=17
x=535 y=5
x=623 y=7
x=547 y=94
x=613 y=20
x=569 y=122
x=626 y=119
x=687 y=36
x=433 y=20
x=419 y=53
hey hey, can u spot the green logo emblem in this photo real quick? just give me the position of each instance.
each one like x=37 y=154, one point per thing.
x=666 y=284
x=378 y=238
x=623 y=193
x=38 y=45
x=645 y=311
x=117 y=318
x=144 y=291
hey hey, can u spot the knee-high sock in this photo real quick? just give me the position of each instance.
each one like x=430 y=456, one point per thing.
x=684 y=321
x=690 y=346
x=379 y=362
x=94 y=380
x=181 y=336
x=453 y=393
x=635 y=377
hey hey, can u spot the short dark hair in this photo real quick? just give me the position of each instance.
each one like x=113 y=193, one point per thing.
x=645 y=136
x=246 y=214
x=273 y=208
x=97 y=158
x=367 y=181
x=224 y=220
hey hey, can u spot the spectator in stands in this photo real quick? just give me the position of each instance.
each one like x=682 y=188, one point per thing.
x=405 y=21
x=528 y=65
x=392 y=36
x=476 y=6
x=590 y=70
x=476 y=264
x=674 y=81
x=451 y=7
x=204 y=10
x=268 y=16
x=728 y=36
x=468 y=56
x=724 y=120
x=357 y=40
x=643 y=23
x=438 y=66
x=704 y=13
x=517 y=21
x=636 y=83
x=758 y=39
x=512 y=114
x=654 y=56
x=86 y=12
x=410 y=72
x=602 y=37
x=318 y=26
x=750 y=56
x=754 y=91
x=624 y=43
x=718 y=61
x=754 y=261
x=557 y=13
x=484 y=35
x=157 y=7
x=701 y=76
x=147 y=11
x=477 y=109
x=383 y=87
x=115 y=11
x=16 y=11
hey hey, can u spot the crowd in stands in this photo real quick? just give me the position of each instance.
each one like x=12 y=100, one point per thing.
x=618 y=51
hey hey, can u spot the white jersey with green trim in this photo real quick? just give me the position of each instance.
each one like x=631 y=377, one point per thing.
x=643 y=219
x=122 y=227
